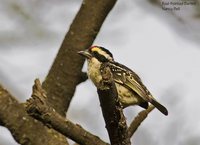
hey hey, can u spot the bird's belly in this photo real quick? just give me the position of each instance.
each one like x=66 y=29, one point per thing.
x=96 y=78
x=95 y=75
x=126 y=96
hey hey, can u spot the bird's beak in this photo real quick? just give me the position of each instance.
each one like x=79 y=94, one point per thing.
x=85 y=53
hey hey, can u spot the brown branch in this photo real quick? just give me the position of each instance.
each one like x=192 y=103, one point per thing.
x=65 y=72
x=24 y=128
x=62 y=79
x=112 y=110
x=38 y=107
x=138 y=120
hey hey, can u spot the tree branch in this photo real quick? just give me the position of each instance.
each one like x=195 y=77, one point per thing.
x=24 y=128
x=38 y=107
x=65 y=72
x=62 y=79
x=112 y=109
x=138 y=120
x=83 y=77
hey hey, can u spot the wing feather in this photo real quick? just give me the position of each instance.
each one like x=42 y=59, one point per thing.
x=129 y=79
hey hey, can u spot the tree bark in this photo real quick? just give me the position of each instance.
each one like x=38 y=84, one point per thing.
x=65 y=73
x=112 y=109
x=25 y=129
x=38 y=107
x=62 y=79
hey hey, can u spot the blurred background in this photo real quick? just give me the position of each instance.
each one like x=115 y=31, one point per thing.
x=162 y=46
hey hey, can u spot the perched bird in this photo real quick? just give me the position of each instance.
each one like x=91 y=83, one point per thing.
x=131 y=90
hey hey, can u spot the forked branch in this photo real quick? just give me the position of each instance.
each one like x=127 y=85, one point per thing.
x=38 y=107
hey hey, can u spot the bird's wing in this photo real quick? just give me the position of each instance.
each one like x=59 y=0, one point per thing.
x=132 y=81
x=129 y=79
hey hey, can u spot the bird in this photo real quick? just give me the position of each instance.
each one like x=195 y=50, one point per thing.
x=130 y=88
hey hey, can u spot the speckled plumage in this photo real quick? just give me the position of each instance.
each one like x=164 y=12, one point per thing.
x=129 y=86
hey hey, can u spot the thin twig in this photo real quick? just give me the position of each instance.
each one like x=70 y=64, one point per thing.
x=138 y=120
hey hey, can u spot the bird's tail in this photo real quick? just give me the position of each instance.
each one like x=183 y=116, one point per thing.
x=160 y=107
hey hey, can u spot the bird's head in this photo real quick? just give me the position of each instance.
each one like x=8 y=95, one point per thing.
x=98 y=52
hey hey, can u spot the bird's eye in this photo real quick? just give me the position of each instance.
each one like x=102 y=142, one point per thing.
x=99 y=56
x=95 y=53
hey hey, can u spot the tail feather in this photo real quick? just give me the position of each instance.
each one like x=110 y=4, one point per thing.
x=160 y=107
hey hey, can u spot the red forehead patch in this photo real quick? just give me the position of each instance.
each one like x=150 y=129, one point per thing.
x=93 y=47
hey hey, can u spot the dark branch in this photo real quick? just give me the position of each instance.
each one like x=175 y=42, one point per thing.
x=24 y=128
x=112 y=110
x=39 y=108
x=83 y=77
x=138 y=120
x=65 y=72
